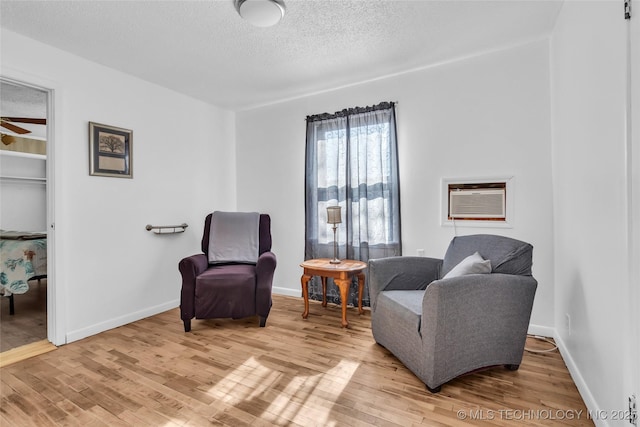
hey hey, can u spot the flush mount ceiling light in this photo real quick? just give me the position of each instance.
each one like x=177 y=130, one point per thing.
x=261 y=13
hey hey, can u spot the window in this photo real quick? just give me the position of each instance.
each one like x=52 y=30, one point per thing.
x=351 y=161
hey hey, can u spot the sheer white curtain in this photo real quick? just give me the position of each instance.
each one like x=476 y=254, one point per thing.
x=352 y=161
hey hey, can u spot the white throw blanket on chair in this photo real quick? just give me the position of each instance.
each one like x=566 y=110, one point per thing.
x=234 y=237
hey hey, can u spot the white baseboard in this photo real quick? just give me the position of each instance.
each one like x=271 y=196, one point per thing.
x=578 y=379
x=287 y=291
x=151 y=311
x=543 y=331
x=576 y=376
x=122 y=320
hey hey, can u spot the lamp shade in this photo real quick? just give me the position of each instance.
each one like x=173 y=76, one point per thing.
x=261 y=13
x=334 y=215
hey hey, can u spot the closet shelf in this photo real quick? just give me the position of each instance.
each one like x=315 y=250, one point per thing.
x=24 y=155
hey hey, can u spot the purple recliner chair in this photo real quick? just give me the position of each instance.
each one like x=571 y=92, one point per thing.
x=228 y=290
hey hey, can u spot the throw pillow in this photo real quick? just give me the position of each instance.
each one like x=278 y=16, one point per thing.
x=473 y=264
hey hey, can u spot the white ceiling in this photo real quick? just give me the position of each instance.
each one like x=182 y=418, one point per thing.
x=205 y=50
x=22 y=101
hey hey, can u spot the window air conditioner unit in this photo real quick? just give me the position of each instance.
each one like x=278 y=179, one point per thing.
x=480 y=203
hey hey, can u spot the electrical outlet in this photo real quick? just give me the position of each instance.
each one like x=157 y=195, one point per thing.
x=567 y=323
x=420 y=252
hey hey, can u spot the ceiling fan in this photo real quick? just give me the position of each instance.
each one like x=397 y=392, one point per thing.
x=7 y=123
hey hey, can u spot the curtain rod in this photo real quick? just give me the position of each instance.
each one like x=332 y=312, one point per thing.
x=350 y=111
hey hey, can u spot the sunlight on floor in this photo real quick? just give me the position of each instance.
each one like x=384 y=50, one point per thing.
x=317 y=393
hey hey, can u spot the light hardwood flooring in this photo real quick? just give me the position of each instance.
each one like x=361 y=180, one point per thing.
x=29 y=323
x=293 y=372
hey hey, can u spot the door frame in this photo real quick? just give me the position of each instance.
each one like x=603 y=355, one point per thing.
x=56 y=327
x=633 y=165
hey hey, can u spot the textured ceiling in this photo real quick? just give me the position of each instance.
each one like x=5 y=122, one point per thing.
x=22 y=101
x=205 y=50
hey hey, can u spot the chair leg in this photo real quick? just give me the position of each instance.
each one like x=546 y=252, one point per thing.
x=263 y=321
x=435 y=389
x=512 y=367
x=187 y=325
x=12 y=307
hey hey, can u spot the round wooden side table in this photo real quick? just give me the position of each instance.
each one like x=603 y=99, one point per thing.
x=341 y=275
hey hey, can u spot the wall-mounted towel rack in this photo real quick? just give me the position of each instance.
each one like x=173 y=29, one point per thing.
x=24 y=179
x=167 y=229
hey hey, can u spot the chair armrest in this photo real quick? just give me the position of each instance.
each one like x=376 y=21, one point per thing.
x=401 y=273
x=474 y=320
x=265 y=268
x=190 y=268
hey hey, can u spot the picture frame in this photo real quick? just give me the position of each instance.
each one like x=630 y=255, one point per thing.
x=110 y=151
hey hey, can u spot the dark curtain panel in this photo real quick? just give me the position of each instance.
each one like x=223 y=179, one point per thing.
x=352 y=161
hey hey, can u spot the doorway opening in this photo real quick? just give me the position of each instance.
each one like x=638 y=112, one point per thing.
x=25 y=215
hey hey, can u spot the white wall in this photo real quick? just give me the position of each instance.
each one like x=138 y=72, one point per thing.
x=590 y=202
x=109 y=270
x=483 y=116
x=23 y=201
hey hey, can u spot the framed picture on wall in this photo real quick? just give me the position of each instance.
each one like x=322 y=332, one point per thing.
x=110 y=151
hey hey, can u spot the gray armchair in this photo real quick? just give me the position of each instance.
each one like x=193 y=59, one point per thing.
x=441 y=328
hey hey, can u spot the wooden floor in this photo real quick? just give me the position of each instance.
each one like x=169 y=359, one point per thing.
x=294 y=372
x=29 y=323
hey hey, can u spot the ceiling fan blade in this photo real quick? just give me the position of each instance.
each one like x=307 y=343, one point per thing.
x=25 y=120
x=13 y=128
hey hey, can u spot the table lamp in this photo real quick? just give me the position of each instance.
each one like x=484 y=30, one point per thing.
x=334 y=217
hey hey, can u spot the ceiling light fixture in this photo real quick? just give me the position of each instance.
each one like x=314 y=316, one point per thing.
x=261 y=13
